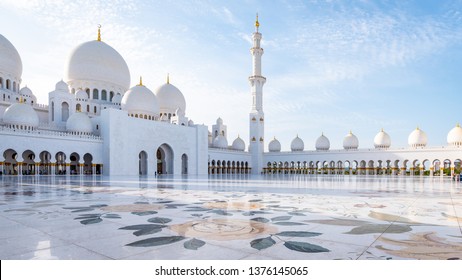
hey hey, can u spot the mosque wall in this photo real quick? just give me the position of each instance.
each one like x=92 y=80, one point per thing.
x=128 y=141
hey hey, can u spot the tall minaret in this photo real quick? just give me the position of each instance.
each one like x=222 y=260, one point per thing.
x=256 y=116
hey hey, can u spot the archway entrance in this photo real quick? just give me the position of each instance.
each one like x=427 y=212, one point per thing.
x=184 y=164
x=164 y=156
x=143 y=163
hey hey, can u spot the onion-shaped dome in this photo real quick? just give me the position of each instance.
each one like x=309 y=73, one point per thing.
x=350 y=142
x=21 y=114
x=117 y=99
x=139 y=101
x=322 y=143
x=417 y=138
x=62 y=86
x=238 y=144
x=81 y=95
x=97 y=61
x=220 y=142
x=274 y=145
x=28 y=95
x=297 y=144
x=382 y=140
x=10 y=61
x=455 y=136
x=79 y=123
x=170 y=98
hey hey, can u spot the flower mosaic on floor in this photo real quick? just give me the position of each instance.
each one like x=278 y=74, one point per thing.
x=247 y=222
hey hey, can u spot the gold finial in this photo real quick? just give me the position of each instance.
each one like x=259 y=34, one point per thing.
x=457 y=125
x=21 y=100
x=99 y=32
x=168 y=78
x=417 y=128
x=351 y=132
x=257 y=24
x=141 y=81
x=382 y=129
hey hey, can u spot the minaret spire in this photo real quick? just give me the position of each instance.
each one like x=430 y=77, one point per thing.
x=257 y=24
x=168 y=78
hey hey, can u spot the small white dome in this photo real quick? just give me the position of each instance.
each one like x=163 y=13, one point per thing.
x=417 y=138
x=97 y=61
x=297 y=144
x=190 y=123
x=382 y=140
x=219 y=121
x=79 y=122
x=21 y=114
x=81 y=95
x=350 y=141
x=322 y=143
x=238 y=144
x=10 y=61
x=170 y=98
x=274 y=145
x=62 y=86
x=28 y=95
x=117 y=99
x=140 y=100
x=220 y=142
x=455 y=136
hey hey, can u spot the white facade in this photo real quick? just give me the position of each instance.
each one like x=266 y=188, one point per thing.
x=95 y=123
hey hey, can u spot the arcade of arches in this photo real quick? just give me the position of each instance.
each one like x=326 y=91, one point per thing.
x=44 y=163
x=435 y=167
x=228 y=167
x=164 y=161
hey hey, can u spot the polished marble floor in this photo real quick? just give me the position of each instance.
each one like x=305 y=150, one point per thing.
x=230 y=217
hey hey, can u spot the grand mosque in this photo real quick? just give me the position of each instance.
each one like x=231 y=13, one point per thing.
x=83 y=129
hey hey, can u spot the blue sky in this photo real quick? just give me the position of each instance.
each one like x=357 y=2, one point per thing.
x=331 y=66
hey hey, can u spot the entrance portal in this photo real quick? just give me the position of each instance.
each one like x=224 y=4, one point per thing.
x=164 y=156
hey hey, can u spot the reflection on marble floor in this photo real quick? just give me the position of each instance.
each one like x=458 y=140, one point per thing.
x=291 y=217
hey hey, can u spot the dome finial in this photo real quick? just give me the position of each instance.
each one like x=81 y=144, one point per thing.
x=141 y=81
x=381 y=129
x=99 y=32
x=458 y=125
x=257 y=24
x=168 y=78
x=21 y=100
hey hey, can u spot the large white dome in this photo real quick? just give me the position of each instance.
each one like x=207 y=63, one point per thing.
x=140 y=100
x=455 y=136
x=170 y=98
x=322 y=143
x=274 y=145
x=297 y=144
x=97 y=61
x=350 y=141
x=238 y=144
x=382 y=140
x=79 y=122
x=417 y=138
x=220 y=142
x=10 y=61
x=21 y=114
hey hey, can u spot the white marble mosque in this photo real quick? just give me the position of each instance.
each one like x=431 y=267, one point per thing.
x=83 y=129
x=70 y=184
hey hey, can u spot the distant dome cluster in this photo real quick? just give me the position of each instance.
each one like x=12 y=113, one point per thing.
x=382 y=140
